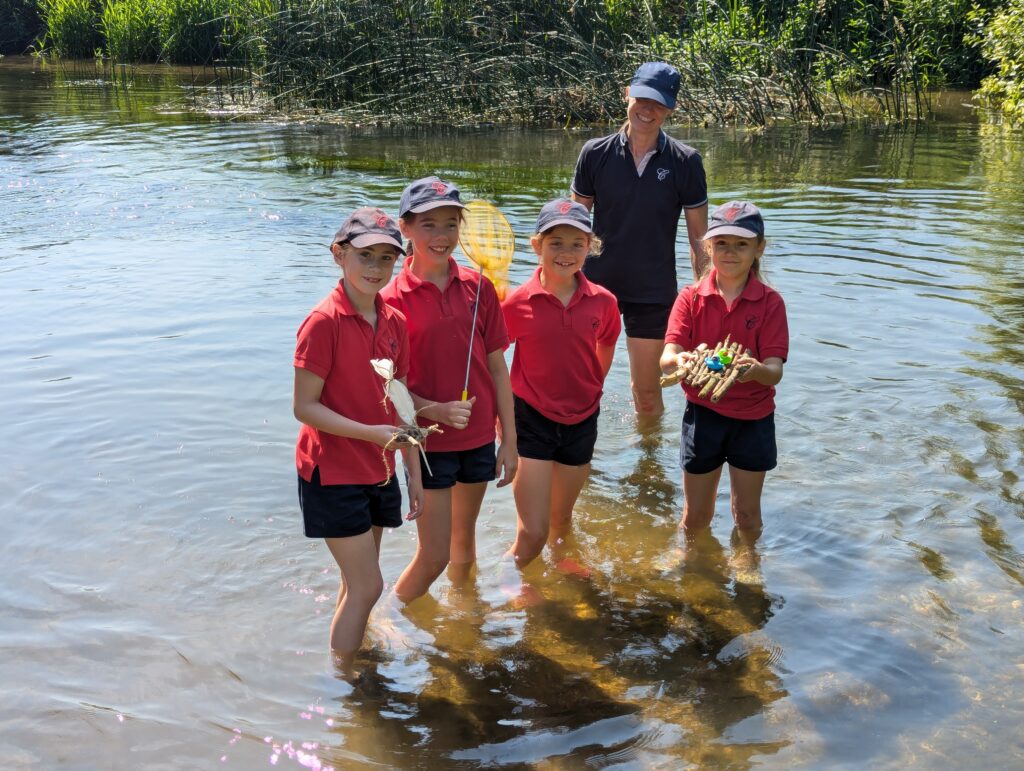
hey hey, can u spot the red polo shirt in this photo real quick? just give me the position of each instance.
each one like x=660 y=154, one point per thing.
x=757 y=319
x=555 y=368
x=336 y=343
x=439 y=328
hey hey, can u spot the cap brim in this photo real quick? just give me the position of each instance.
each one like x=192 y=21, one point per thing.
x=730 y=230
x=572 y=223
x=370 y=239
x=646 y=92
x=434 y=205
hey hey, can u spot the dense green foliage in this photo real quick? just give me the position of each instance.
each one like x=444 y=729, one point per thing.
x=1002 y=42
x=19 y=25
x=559 y=60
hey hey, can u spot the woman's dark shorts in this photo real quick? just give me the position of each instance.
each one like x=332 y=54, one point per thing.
x=541 y=438
x=645 y=320
x=465 y=466
x=710 y=439
x=341 y=511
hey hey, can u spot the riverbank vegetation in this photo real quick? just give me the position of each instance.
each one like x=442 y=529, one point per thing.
x=558 y=61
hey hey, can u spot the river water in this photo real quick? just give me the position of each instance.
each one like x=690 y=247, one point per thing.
x=161 y=608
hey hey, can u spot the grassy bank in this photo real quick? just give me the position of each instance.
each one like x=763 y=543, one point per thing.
x=558 y=61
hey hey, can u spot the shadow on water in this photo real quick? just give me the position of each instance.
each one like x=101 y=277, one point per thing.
x=584 y=671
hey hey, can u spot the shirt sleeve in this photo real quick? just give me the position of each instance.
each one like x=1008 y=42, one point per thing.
x=693 y=187
x=680 y=320
x=495 y=334
x=774 y=338
x=314 y=348
x=611 y=323
x=583 y=178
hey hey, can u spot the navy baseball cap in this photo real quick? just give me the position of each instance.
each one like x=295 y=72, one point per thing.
x=562 y=211
x=428 y=193
x=657 y=81
x=736 y=218
x=367 y=226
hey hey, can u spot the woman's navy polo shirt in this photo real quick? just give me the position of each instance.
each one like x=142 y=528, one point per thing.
x=637 y=217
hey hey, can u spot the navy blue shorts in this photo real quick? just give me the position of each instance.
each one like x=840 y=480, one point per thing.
x=645 y=320
x=465 y=466
x=341 y=511
x=710 y=439
x=541 y=438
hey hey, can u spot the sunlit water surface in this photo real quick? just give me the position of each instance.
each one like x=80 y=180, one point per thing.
x=161 y=608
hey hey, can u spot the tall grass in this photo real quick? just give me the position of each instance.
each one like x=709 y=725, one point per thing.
x=131 y=31
x=549 y=61
x=72 y=27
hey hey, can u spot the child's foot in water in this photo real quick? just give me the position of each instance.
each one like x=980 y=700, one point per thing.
x=568 y=566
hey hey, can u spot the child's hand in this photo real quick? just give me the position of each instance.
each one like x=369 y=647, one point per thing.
x=417 y=499
x=507 y=463
x=752 y=365
x=685 y=357
x=455 y=414
x=382 y=435
x=672 y=363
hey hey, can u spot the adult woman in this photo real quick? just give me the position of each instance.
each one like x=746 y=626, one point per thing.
x=638 y=181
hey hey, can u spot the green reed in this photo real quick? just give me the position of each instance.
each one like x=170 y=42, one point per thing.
x=72 y=27
x=549 y=61
x=131 y=31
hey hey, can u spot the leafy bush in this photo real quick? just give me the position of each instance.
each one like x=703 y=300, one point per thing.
x=1002 y=42
x=19 y=25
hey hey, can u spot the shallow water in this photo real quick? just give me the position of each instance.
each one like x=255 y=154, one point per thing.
x=161 y=608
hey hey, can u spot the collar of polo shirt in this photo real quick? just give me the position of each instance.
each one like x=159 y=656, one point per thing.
x=662 y=139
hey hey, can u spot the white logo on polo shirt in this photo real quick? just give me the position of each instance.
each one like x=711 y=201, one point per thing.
x=662 y=173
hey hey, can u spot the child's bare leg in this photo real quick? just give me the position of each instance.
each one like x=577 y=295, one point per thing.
x=434 y=527
x=532 y=491
x=566 y=484
x=699 y=491
x=466 y=502
x=360 y=573
x=378 y=533
x=745 y=487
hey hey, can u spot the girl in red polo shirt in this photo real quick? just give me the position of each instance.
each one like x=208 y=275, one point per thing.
x=342 y=452
x=730 y=299
x=436 y=295
x=564 y=329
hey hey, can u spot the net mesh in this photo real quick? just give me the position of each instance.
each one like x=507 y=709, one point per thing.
x=487 y=239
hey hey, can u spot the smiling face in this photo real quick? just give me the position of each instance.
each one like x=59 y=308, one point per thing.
x=434 y=233
x=645 y=116
x=733 y=256
x=562 y=250
x=367 y=269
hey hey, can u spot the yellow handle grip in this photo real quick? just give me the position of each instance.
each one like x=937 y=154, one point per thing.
x=465 y=394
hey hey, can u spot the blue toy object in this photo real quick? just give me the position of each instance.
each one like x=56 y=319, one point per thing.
x=714 y=363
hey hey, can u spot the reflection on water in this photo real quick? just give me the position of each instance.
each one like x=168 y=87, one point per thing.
x=161 y=607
